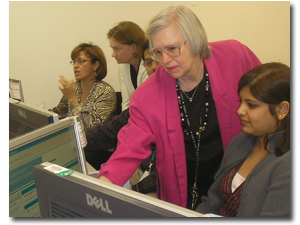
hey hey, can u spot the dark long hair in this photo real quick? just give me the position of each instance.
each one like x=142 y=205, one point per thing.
x=270 y=83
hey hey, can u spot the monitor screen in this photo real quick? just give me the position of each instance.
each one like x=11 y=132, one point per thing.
x=62 y=193
x=59 y=143
x=24 y=118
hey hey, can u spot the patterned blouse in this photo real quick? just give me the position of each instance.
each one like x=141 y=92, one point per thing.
x=101 y=103
x=231 y=199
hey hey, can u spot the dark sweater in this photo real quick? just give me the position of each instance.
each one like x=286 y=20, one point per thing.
x=266 y=191
x=104 y=137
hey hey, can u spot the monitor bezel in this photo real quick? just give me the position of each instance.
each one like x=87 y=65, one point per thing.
x=42 y=132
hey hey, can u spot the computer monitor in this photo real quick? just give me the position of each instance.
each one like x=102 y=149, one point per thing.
x=15 y=89
x=62 y=193
x=61 y=143
x=24 y=118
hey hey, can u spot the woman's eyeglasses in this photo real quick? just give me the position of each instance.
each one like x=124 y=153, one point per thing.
x=172 y=51
x=79 y=61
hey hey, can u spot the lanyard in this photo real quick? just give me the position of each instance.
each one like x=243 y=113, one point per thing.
x=152 y=158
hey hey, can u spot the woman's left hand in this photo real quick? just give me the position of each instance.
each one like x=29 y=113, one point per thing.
x=67 y=89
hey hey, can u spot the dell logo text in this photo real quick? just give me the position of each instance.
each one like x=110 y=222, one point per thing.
x=22 y=113
x=98 y=203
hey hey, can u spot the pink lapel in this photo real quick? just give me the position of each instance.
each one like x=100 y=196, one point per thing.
x=175 y=135
x=220 y=96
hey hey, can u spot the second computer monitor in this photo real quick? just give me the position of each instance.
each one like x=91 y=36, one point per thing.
x=24 y=118
x=59 y=143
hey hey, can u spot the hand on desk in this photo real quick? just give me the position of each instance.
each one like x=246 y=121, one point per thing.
x=126 y=185
x=104 y=179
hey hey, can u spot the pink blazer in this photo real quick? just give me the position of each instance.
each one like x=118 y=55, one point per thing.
x=155 y=118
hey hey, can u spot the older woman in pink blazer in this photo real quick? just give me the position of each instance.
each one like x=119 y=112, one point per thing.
x=187 y=108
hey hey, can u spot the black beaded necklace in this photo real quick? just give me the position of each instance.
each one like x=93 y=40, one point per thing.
x=185 y=122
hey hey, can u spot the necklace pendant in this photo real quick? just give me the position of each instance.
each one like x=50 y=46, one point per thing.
x=195 y=194
x=190 y=99
x=202 y=128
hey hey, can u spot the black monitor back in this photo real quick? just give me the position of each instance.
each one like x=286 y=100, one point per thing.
x=24 y=118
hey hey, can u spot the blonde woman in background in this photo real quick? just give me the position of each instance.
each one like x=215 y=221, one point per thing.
x=187 y=108
x=126 y=40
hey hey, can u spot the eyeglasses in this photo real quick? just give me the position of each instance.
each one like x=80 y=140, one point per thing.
x=149 y=62
x=172 y=51
x=79 y=61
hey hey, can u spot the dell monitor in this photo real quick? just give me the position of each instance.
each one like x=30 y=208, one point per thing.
x=61 y=143
x=24 y=118
x=64 y=193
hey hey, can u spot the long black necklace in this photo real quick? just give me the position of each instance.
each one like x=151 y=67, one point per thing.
x=186 y=125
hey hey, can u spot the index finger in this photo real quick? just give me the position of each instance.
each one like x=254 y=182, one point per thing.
x=63 y=78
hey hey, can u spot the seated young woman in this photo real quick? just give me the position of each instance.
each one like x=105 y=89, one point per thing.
x=254 y=177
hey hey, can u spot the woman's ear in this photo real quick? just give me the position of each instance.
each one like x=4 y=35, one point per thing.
x=282 y=110
x=134 y=48
x=96 y=65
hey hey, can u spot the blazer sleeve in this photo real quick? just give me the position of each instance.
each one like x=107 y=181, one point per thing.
x=134 y=145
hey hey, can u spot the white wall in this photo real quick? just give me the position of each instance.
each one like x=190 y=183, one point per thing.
x=43 y=34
